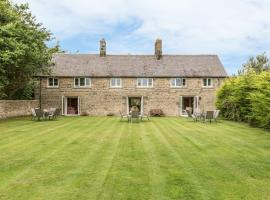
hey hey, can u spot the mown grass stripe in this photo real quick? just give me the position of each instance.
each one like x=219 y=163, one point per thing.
x=45 y=155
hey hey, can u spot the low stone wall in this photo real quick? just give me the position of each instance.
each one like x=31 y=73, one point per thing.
x=15 y=108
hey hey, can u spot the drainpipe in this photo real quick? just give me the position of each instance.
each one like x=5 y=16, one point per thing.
x=40 y=92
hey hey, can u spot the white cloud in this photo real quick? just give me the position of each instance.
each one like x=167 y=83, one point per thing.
x=227 y=27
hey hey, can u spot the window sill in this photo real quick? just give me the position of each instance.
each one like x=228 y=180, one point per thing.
x=178 y=87
x=82 y=87
x=208 y=87
x=144 y=87
x=52 y=87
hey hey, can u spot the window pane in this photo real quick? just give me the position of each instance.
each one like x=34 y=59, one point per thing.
x=204 y=82
x=118 y=82
x=183 y=82
x=178 y=82
x=150 y=82
x=209 y=82
x=55 y=82
x=87 y=80
x=76 y=82
x=139 y=82
x=50 y=81
x=112 y=82
x=82 y=81
x=144 y=82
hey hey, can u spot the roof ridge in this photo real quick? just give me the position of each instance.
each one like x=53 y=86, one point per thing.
x=89 y=54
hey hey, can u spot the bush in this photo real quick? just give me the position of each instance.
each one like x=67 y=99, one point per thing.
x=246 y=98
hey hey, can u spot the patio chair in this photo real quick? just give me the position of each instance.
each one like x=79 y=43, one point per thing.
x=124 y=116
x=144 y=116
x=216 y=114
x=135 y=115
x=190 y=115
x=54 y=114
x=209 y=116
x=39 y=113
x=33 y=114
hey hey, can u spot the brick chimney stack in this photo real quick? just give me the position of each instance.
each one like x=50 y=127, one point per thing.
x=158 y=49
x=102 y=48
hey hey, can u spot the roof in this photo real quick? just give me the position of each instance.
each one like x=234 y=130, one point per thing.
x=92 y=65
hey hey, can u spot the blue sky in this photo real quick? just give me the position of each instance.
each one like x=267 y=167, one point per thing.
x=233 y=29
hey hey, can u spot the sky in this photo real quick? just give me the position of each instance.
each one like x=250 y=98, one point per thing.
x=232 y=29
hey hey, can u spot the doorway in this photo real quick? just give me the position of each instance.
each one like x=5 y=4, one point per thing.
x=72 y=105
x=188 y=103
x=134 y=104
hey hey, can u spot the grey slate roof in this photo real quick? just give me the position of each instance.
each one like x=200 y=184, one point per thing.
x=93 y=65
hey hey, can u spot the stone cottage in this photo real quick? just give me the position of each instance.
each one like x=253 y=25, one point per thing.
x=107 y=84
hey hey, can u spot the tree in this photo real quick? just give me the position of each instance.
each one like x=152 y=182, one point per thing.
x=258 y=64
x=23 y=50
x=246 y=97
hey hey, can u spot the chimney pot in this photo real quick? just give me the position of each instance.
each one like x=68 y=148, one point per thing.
x=158 y=49
x=102 y=47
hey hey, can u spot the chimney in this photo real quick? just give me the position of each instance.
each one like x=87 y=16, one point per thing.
x=158 y=49
x=102 y=48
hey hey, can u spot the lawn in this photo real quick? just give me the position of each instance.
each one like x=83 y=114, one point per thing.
x=103 y=158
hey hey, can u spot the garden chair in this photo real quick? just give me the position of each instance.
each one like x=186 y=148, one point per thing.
x=216 y=114
x=209 y=116
x=135 y=115
x=33 y=114
x=39 y=113
x=144 y=116
x=190 y=115
x=54 y=114
x=124 y=116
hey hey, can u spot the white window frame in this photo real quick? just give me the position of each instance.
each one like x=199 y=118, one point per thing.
x=145 y=86
x=207 y=86
x=85 y=85
x=115 y=86
x=52 y=86
x=176 y=86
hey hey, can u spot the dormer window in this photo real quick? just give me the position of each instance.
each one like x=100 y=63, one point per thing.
x=53 y=82
x=178 y=82
x=82 y=82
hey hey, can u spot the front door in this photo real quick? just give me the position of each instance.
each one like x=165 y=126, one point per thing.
x=72 y=106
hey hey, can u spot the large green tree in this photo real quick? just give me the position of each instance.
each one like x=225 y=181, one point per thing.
x=246 y=97
x=23 y=50
x=256 y=64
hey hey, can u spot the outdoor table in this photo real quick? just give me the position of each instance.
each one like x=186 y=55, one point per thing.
x=200 y=115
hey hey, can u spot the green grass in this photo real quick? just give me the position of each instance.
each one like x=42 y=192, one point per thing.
x=103 y=158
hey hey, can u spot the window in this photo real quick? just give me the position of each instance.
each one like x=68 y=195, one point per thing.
x=144 y=82
x=178 y=82
x=53 y=82
x=82 y=82
x=207 y=82
x=116 y=82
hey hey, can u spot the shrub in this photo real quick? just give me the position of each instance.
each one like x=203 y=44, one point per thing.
x=246 y=98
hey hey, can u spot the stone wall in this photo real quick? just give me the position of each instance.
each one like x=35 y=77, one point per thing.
x=100 y=99
x=15 y=108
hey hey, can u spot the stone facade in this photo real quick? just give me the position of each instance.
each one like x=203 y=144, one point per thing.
x=100 y=99
x=15 y=108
